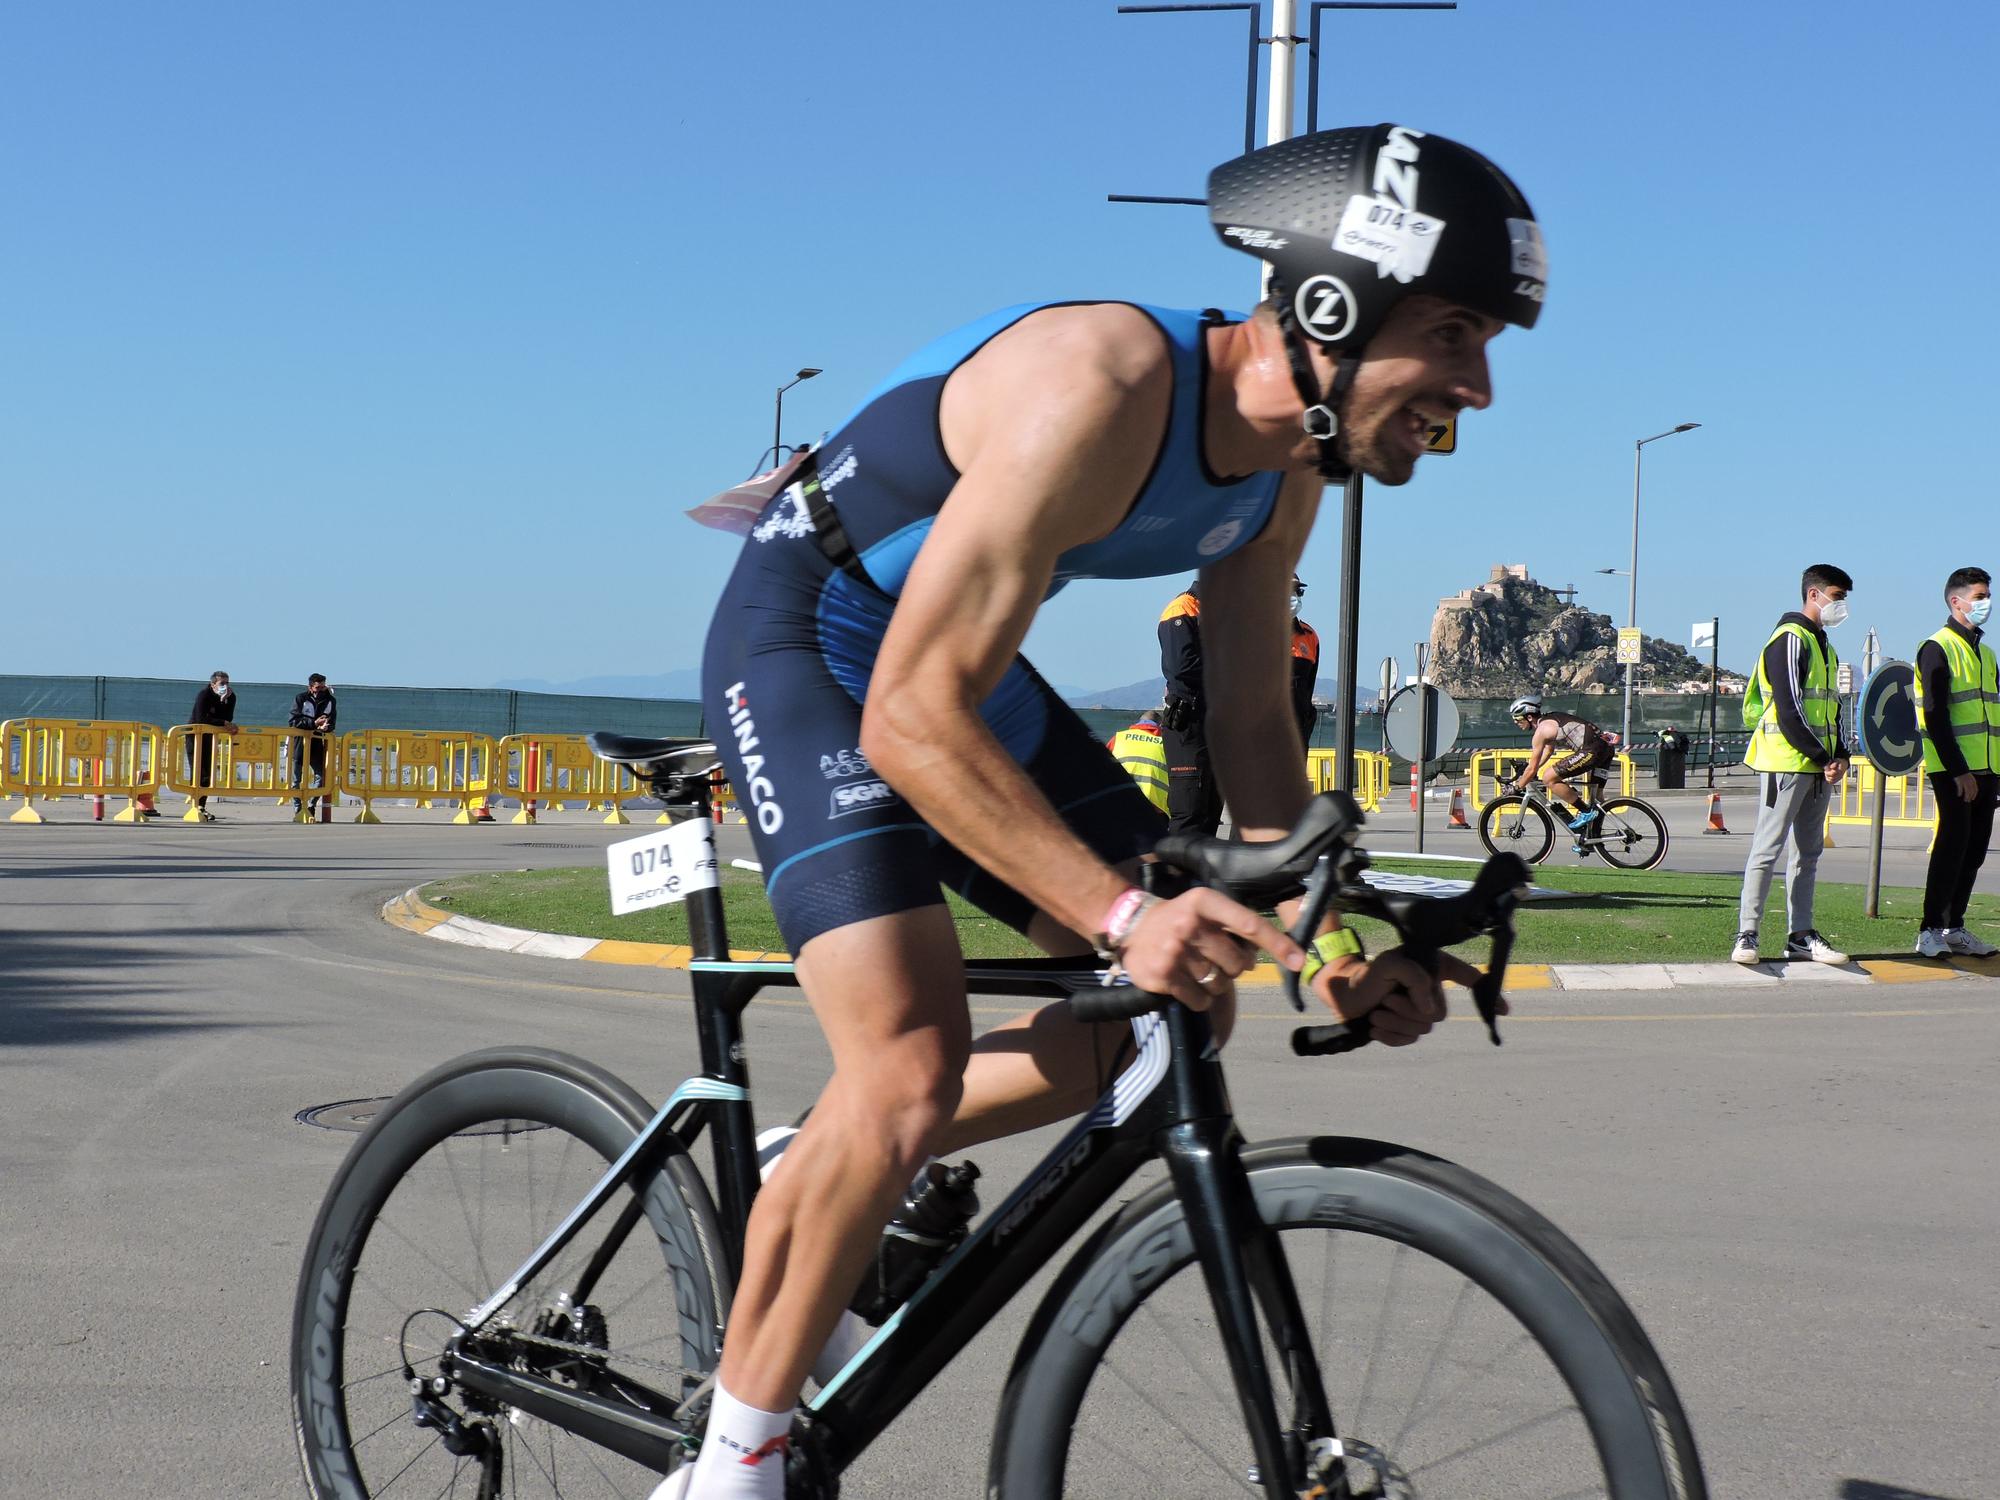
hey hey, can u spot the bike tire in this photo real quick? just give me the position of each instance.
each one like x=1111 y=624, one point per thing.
x=477 y=1128
x=1531 y=836
x=1630 y=835
x=1074 y=1422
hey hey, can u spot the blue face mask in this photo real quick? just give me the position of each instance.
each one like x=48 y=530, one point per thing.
x=1976 y=610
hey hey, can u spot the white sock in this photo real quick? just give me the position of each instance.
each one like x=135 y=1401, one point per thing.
x=742 y=1456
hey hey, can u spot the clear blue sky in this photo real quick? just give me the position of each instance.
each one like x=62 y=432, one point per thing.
x=392 y=340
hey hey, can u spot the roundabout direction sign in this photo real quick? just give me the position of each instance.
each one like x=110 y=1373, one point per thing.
x=1886 y=725
x=1886 y=720
x=1437 y=732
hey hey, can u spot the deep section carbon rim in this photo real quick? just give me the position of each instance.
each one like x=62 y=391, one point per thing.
x=438 y=1203
x=1631 y=835
x=1468 y=1350
x=1509 y=824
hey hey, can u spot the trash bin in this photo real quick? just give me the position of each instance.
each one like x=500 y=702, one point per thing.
x=1670 y=768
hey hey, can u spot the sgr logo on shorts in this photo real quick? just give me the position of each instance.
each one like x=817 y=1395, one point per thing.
x=859 y=796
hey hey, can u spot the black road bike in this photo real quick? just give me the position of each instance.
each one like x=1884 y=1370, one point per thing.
x=1624 y=832
x=518 y=1282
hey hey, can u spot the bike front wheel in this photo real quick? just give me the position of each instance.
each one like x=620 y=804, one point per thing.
x=1467 y=1349
x=451 y=1188
x=1511 y=823
x=1630 y=834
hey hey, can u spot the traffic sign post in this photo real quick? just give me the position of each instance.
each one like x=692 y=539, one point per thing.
x=1886 y=724
x=1421 y=723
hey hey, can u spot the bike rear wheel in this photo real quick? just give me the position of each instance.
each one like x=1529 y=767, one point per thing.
x=1468 y=1349
x=1513 y=823
x=1630 y=834
x=459 y=1179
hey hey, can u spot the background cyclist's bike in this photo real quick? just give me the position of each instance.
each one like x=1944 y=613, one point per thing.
x=518 y=1282
x=1625 y=832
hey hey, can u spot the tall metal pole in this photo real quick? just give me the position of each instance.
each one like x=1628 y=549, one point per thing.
x=1714 y=686
x=1632 y=597
x=1350 y=631
x=1418 y=778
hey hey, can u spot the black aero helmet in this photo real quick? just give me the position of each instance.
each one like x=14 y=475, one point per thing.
x=1352 y=221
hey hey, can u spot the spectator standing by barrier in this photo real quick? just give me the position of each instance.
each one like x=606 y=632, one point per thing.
x=1140 y=750
x=313 y=710
x=1792 y=709
x=1305 y=666
x=1958 y=710
x=214 y=708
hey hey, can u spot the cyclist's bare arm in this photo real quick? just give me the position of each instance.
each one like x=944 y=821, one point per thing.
x=1052 y=427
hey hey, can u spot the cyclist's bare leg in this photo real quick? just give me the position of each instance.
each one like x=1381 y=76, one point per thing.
x=888 y=996
x=1560 y=789
x=1047 y=1066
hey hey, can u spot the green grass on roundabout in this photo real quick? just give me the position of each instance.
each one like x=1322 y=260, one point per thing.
x=1610 y=916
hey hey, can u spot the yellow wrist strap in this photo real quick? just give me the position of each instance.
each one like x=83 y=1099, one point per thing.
x=1329 y=946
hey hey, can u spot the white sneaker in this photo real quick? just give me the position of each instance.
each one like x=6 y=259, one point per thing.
x=1745 y=951
x=1932 y=943
x=1961 y=941
x=1810 y=944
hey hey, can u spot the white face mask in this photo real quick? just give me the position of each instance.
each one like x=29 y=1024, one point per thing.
x=1832 y=613
x=223 y=690
x=1976 y=610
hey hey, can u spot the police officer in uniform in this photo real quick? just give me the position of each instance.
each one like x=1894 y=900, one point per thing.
x=1958 y=710
x=1305 y=666
x=1194 y=802
x=1792 y=710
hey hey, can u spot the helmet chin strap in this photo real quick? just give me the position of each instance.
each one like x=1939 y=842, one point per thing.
x=1322 y=407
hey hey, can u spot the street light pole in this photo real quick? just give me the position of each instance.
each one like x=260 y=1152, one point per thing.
x=1632 y=592
x=778 y=424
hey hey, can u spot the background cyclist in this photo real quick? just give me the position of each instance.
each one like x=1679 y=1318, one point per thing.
x=1560 y=746
x=886 y=737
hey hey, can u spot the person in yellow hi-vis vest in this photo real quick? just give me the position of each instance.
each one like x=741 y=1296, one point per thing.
x=1958 y=710
x=1792 y=710
x=1140 y=750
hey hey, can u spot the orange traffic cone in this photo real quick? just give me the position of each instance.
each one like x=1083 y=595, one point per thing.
x=1715 y=823
x=1458 y=811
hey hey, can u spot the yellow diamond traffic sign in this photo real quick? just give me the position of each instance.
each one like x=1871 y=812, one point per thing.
x=1442 y=437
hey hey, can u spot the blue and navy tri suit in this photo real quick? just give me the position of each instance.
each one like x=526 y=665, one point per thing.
x=795 y=638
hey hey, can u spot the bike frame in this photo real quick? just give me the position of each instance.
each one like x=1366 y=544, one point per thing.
x=1171 y=1102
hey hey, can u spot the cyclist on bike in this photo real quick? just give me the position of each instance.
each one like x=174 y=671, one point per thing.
x=884 y=736
x=1560 y=746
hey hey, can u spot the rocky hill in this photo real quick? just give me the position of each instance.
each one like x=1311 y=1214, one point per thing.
x=1512 y=635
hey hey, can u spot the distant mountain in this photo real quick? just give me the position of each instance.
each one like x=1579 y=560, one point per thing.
x=1145 y=693
x=685 y=683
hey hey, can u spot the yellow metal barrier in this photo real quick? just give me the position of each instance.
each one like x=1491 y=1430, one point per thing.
x=1907 y=802
x=1371 y=776
x=421 y=765
x=544 y=771
x=49 y=758
x=1491 y=765
x=252 y=762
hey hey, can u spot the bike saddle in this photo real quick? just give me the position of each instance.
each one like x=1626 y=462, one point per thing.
x=655 y=757
x=1263 y=873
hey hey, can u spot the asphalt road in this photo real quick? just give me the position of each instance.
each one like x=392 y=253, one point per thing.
x=1796 y=1192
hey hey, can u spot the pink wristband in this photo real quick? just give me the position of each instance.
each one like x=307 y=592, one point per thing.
x=1121 y=916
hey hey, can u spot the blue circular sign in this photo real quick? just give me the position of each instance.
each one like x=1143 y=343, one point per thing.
x=1887 y=718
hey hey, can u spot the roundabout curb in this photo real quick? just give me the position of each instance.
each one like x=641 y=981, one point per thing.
x=411 y=913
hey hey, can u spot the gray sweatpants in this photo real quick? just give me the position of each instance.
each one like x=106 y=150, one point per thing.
x=1790 y=804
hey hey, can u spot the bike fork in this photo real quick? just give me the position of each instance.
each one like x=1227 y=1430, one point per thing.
x=1243 y=1266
